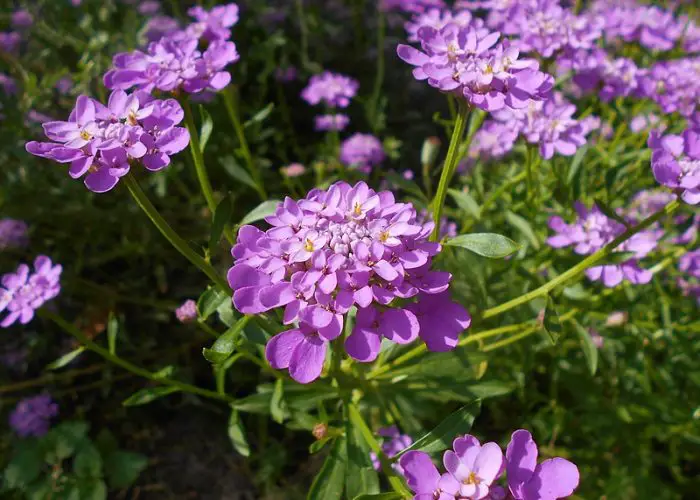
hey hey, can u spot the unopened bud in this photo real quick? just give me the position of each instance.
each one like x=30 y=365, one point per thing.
x=320 y=431
x=430 y=151
x=617 y=318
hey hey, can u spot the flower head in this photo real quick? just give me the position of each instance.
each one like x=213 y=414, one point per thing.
x=213 y=25
x=23 y=292
x=32 y=416
x=102 y=141
x=331 y=122
x=332 y=89
x=675 y=162
x=471 y=62
x=9 y=41
x=438 y=19
x=412 y=6
x=527 y=480
x=344 y=247
x=187 y=312
x=13 y=234
x=362 y=151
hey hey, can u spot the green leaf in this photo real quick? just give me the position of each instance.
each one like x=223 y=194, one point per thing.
x=441 y=437
x=207 y=128
x=122 y=468
x=236 y=434
x=149 y=394
x=106 y=442
x=64 y=360
x=25 y=465
x=380 y=496
x=260 y=212
x=209 y=302
x=328 y=483
x=318 y=445
x=237 y=172
x=88 y=462
x=225 y=311
x=222 y=347
x=222 y=215
x=92 y=490
x=576 y=164
x=491 y=245
x=277 y=405
x=41 y=490
x=524 y=227
x=112 y=331
x=466 y=202
x=590 y=351
x=64 y=439
x=260 y=115
x=360 y=476
x=551 y=322
x=610 y=212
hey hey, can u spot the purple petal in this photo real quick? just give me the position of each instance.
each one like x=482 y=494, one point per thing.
x=101 y=181
x=421 y=474
x=521 y=460
x=553 y=478
x=363 y=344
x=279 y=349
x=307 y=359
x=399 y=325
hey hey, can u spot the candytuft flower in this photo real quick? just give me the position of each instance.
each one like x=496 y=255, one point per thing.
x=332 y=89
x=331 y=122
x=438 y=19
x=528 y=480
x=102 y=142
x=345 y=247
x=32 y=416
x=675 y=161
x=23 y=292
x=362 y=151
x=470 y=62
x=13 y=234
x=213 y=25
x=187 y=312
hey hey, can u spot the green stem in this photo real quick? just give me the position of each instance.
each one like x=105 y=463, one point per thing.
x=137 y=370
x=357 y=420
x=198 y=157
x=303 y=32
x=379 y=77
x=449 y=167
x=174 y=238
x=495 y=196
x=578 y=269
x=230 y=94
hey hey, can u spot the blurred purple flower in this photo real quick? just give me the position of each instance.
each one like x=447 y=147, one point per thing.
x=21 y=293
x=643 y=122
x=527 y=480
x=324 y=123
x=674 y=85
x=438 y=19
x=675 y=162
x=293 y=170
x=21 y=19
x=160 y=26
x=411 y=6
x=362 y=151
x=187 y=312
x=8 y=84
x=148 y=7
x=9 y=41
x=286 y=75
x=64 y=85
x=335 y=249
x=13 y=234
x=333 y=89
x=32 y=416
x=393 y=443
x=494 y=140
x=214 y=25
x=35 y=117
x=100 y=141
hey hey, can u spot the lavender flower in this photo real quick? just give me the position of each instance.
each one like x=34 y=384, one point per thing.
x=172 y=64
x=21 y=19
x=394 y=442
x=527 y=480
x=9 y=41
x=13 y=234
x=362 y=151
x=591 y=232
x=102 y=141
x=643 y=122
x=331 y=251
x=34 y=117
x=333 y=89
x=7 y=84
x=595 y=71
x=674 y=85
x=651 y=26
x=412 y=6
x=646 y=203
x=494 y=140
x=64 y=85
x=159 y=26
x=438 y=19
x=471 y=63
x=675 y=161
x=293 y=170
x=325 y=123
x=32 y=416
x=286 y=75
x=187 y=312
x=148 y=7
x=689 y=263
x=214 y=25
x=22 y=293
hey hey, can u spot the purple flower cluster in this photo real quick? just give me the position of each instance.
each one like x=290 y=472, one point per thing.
x=9 y=41
x=689 y=264
x=13 y=234
x=32 y=416
x=675 y=161
x=362 y=152
x=102 y=141
x=470 y=62
x=674 y=85
x=503 y=15
x=493 y=140
x=324 y=123
x=344 y=247
x=548 y=123
x=438 y=19
x=187 y=312
x=332 y=89
x=411 y=6
x=596 y=71
x=473 y=468
x=393 y=443
x=23 y=292
x=646 y=203
x=591 y=232
x=213 y=25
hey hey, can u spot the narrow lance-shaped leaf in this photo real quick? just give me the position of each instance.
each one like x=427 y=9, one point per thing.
x=237 y=172
x=524 y=227
x=260 y=212
x=590 y=351
x=551 y=324
x=149 y=394
x=207 y=128
x=277 y=405
x=360 y=476
x=222 y=215
x=441 y=437
x=236 y=434
x=112 y=331
x=328 y=483
x=64 y=360
x=491 y=245
x=466 y=202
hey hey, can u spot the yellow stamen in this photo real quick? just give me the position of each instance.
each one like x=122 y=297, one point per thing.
x=309 y=245
x=85 y=135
